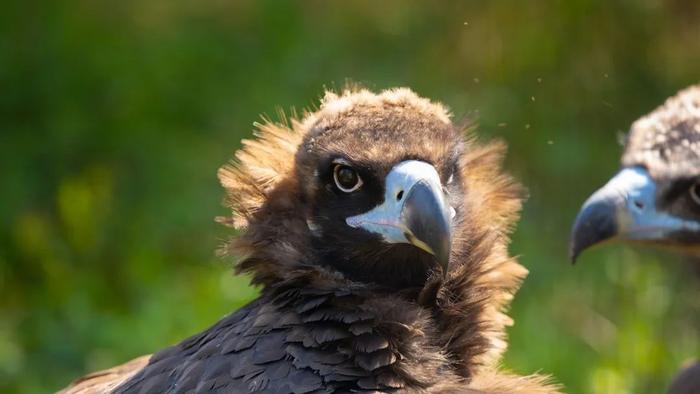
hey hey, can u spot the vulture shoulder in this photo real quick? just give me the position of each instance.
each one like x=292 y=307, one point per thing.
x=687 y=381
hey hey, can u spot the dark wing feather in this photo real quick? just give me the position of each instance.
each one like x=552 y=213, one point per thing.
x=300 y=343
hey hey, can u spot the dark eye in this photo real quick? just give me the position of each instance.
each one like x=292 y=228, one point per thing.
x=695 y=192
x=346 y=178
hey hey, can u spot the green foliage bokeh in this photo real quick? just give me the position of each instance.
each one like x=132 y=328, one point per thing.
x=114 y=117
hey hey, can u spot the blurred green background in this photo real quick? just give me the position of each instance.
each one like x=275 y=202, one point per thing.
x=114 y=117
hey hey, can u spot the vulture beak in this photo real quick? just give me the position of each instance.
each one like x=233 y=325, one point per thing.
x=414 y=211
x=624 y=209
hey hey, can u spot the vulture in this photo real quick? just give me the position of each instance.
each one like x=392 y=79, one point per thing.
x=655 y=197
x=377 y=231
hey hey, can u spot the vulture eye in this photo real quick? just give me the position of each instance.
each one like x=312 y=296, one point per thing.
x=695 y=192
x=346 y=178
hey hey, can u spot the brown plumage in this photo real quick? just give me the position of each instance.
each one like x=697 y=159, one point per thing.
x=667 y=141
x=345 y=307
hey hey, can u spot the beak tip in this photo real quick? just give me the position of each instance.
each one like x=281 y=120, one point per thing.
x=444 y=262
x=576 y=243
x=594 y=224
x=573 y=255
x=575 y=247
x=443 y=258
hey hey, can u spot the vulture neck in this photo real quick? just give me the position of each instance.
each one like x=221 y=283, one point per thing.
x=459 y=316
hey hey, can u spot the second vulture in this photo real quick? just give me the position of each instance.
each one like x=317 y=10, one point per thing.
x=655 y=198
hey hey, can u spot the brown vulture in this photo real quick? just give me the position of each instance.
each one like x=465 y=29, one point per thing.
x=378 y=234
x=655 y=198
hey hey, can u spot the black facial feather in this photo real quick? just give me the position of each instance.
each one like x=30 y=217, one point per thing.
x=678 y=199
x=357 y=253
x=676 y=189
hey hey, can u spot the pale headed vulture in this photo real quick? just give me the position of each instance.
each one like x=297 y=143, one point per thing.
x=378 y=234
x=655 y=198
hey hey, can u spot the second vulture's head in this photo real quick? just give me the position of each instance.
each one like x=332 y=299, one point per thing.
x=380 y=189
x=655 y=198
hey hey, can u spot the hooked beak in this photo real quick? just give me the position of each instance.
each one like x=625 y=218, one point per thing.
x=624 y=209
x=414 y=211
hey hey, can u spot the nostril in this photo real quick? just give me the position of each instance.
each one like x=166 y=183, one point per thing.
x=399 y=195
x=639 y=204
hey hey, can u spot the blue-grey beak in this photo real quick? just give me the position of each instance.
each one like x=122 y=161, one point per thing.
x=624 y=209
x=414 y=211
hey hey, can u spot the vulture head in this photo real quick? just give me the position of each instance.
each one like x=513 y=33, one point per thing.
x=655 y=197
x=382 y=189
x=379 y=188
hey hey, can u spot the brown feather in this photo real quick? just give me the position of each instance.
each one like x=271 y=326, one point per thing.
x=105 y=381
x=667 y=141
